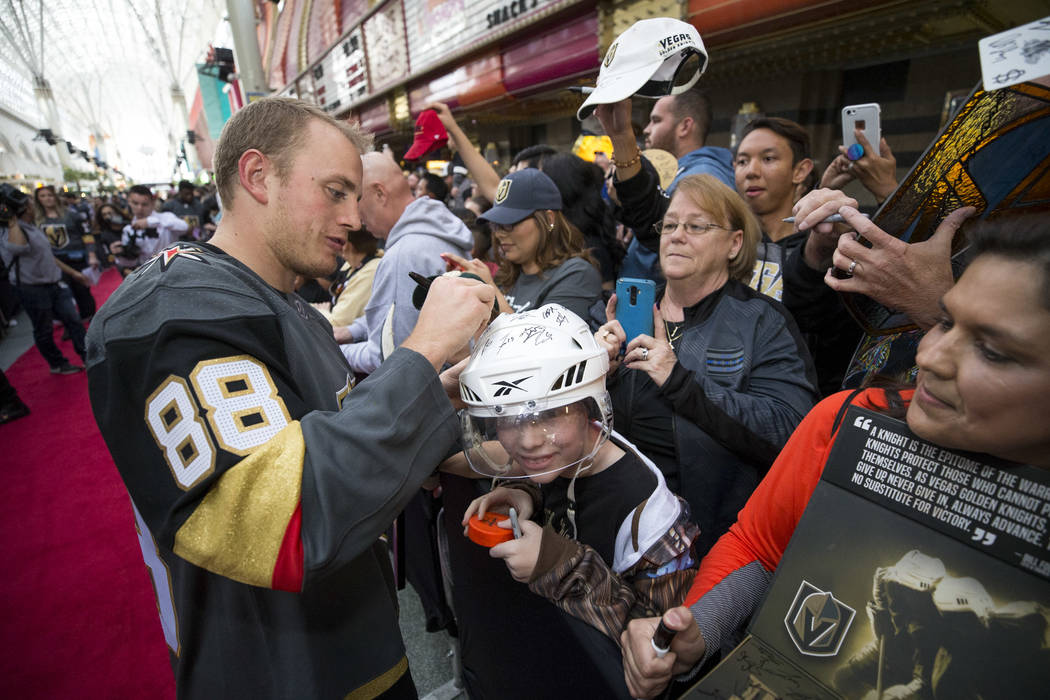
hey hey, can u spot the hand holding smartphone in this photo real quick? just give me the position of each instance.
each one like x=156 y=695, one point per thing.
x=634 y=306
x=865 y=117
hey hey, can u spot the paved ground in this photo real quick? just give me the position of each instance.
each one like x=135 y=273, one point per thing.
x=429 y=653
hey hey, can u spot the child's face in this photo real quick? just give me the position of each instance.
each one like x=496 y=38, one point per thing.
x=545 y=442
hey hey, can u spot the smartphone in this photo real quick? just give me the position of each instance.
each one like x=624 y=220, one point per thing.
x=866 y=118
x=634 y=306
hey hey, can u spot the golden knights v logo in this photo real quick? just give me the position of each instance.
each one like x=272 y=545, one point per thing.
x=502 y=190
x=610 y=55
x=57 y=235
x=817 y=621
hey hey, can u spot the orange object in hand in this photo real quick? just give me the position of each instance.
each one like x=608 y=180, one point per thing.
x=486 y=531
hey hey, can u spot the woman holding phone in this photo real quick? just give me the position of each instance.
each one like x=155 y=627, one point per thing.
x=541 y=256
x=719 y=387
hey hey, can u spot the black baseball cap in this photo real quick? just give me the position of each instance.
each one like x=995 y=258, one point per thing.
x=520 y=194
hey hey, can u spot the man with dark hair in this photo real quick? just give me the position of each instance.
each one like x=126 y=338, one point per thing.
x=678 y=124
x=531 y=157
x=187 y=206
x=433 y=186
x=261 y=484
x=148 y=233
x=771 y=161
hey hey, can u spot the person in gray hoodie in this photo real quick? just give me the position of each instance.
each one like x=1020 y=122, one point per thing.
x=417 y=232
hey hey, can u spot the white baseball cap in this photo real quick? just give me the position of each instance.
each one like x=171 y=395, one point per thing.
x=645 y=61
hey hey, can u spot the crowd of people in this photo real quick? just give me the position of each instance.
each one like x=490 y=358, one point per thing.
x=333 y=328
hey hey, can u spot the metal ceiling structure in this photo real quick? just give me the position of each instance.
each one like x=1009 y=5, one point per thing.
x=111 y=66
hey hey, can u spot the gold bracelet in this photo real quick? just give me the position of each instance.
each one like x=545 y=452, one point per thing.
x=628 y=163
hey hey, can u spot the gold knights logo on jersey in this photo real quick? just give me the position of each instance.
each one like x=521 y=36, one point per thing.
x=57 y=235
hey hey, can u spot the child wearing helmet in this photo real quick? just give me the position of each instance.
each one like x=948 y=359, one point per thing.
x=602 y=537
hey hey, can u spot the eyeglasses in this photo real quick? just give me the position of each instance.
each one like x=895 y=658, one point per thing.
x=667 y=228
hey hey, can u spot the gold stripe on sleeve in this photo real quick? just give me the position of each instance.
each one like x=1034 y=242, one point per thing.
x=238 y=527
x=380 y=684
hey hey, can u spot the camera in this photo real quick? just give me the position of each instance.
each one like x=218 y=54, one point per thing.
x=132 y=249
x=13 y=202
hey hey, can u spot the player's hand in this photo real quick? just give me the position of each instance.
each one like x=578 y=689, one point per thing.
x=610 y=335
x=454 y=311
x=521 y=554
x=647 y=674
x=80 y=278
x=342 y=334
x=906 y=277
x=140 y=223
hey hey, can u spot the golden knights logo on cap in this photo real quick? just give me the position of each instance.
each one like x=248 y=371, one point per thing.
x=610 y=54
x=502 y=190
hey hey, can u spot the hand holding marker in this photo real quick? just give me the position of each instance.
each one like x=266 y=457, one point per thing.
x=661 y=640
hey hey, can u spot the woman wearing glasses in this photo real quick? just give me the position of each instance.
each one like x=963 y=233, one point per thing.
x=541 y=256
x=717 y=390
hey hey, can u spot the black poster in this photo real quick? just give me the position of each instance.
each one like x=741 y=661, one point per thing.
x=915 y=571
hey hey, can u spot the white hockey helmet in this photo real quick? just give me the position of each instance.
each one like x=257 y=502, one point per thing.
x=963 y=595
x=916 y=571
x=524 y=368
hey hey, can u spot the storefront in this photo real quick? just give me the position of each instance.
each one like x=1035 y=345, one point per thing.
x=503 y=65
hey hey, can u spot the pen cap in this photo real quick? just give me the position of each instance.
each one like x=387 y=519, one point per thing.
x=419 y=294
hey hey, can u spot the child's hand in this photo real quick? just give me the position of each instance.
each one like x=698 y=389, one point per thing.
x=500 y=496
x=521 y=554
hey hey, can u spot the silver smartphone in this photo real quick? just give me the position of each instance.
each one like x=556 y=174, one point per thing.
x=866 y=118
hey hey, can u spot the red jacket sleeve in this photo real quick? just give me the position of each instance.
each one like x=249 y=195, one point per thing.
x=766 y=522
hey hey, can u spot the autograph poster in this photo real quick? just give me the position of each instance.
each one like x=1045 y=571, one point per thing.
x=915 y=572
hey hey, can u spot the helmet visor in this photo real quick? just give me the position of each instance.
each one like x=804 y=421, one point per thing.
x=536 y=443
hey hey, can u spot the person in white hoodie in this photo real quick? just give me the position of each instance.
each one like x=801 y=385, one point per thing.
x=417 y=232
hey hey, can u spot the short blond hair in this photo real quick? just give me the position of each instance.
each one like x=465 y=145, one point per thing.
x=276 y=127
x=715 y=197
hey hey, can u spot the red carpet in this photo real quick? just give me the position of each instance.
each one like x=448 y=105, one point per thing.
x=79 y=616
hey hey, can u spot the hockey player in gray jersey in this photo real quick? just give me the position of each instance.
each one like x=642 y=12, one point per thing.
x=259 y=481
